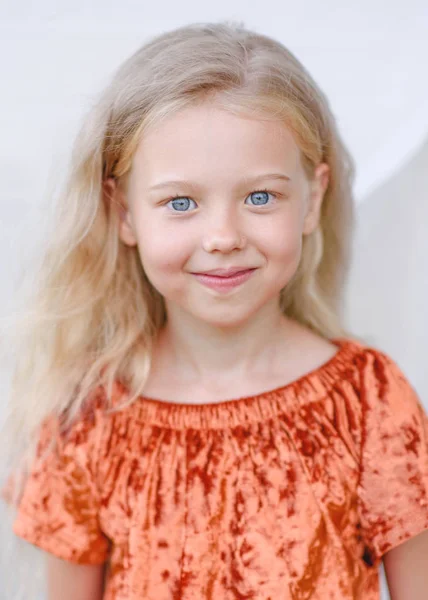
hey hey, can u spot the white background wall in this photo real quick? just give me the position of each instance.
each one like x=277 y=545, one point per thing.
x=369 y=57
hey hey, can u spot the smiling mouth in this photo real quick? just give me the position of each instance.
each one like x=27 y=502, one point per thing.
x=225 y=273
x=224 y=283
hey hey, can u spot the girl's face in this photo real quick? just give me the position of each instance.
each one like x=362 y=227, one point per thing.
x=242 y=202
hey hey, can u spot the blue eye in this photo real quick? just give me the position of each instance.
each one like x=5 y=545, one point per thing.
x=180 y=203
x=260 y=198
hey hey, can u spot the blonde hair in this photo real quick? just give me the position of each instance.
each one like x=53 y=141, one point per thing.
x=94 y=315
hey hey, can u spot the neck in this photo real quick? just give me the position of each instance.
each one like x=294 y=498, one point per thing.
x=198 y=351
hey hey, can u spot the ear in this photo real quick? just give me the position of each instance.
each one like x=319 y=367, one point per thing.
x=318 y=187
x=114 y=195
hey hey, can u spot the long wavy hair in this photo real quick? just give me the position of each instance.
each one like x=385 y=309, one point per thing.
x=93 y=315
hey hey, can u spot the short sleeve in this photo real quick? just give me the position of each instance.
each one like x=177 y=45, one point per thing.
x=393 y=486
x=58 y=509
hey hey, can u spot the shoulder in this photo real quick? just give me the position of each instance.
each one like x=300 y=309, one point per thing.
x=381 y=376
x=80 y=429
x=371 y=372
x=377 y=368
x=382 y=385
x=372 y=379
x=394 y=422
x=101 y=425
x=100 y=406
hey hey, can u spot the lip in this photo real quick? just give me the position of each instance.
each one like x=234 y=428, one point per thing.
x=225 y=272
x=224 y=283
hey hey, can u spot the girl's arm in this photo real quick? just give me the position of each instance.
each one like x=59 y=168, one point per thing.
x=71 y=581
x=406 y=569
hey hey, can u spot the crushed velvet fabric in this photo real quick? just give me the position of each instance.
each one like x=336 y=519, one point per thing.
x=293 y=494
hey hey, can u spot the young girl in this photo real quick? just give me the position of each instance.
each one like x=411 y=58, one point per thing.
x=205 y=427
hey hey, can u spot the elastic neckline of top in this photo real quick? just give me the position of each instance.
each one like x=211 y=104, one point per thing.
x=312 y=385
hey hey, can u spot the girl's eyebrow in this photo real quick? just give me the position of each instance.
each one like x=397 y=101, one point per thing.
x=245 y=181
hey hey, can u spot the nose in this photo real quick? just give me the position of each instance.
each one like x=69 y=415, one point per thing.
x=222 y=232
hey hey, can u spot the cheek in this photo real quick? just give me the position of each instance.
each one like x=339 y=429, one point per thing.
x=288 y=261
x=163 y=253
x=284 y=244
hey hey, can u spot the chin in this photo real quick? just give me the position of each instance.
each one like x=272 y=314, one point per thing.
x=226 y=319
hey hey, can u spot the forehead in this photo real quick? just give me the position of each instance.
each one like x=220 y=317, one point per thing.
x=208 y=141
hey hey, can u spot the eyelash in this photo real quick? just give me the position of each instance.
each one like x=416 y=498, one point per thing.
x=177 y=197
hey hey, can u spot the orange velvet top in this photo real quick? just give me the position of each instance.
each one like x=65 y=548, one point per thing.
x=294 y=493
